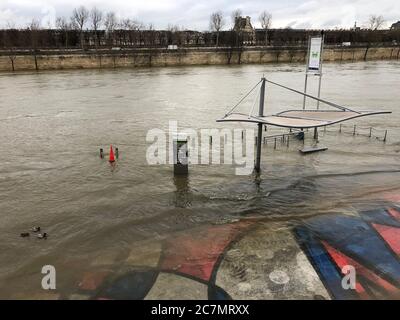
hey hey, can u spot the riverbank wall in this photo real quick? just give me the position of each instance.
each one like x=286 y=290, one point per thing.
x=131 y=58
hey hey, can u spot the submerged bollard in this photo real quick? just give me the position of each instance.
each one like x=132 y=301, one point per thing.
x=340 y=128
x=288 y=141
x=275 y=144
x=101 y=153
x=370 y=132
x=180 y=148
x=116 y=153
x=354 y=130
x=384 y=139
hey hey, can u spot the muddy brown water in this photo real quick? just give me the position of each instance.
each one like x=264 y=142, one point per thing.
x=52 y=125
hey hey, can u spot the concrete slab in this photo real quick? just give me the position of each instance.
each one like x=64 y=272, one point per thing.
x=145 y=255
x=169 y=286
x=268 y=264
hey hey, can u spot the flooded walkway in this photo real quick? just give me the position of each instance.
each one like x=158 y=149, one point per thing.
x=215 y=234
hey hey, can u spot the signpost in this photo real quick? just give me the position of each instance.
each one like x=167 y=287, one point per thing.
x=314 y=63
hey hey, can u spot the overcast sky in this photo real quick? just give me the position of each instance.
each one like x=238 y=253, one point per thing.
x=194 y=14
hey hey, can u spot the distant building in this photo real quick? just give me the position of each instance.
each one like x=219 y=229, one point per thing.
x=243 y=24
x=244 y=27
x=355 y=28
x=395 y=26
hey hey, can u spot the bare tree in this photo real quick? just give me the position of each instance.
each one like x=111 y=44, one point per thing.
x=33 y=28
x=133 y=27
x=63 y=25
x=265 y=19
x=172 y=27
x=10 y=43
x=172 y=37
x=96 y=17
x=237 y=27
x=79 y=19
x=216 y=23
x=235 y=15
x=111 y=23
x=130 y=24
x=375 y=22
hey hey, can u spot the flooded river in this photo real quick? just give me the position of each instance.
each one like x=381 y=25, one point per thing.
x=112 y=218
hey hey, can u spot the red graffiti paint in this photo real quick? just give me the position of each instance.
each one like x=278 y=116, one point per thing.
x=394 y=213
x=391 y=235
x=196 y=253
x=342 y=260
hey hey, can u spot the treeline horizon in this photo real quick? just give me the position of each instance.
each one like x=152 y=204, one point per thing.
x=101 y=39
x=107 y=31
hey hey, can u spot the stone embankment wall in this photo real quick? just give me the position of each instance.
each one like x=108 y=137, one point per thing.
x=76 y=59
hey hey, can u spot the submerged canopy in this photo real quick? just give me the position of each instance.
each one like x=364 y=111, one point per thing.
x=300 y=118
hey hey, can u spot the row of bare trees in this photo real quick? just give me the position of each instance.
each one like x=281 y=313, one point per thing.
x=95 y=20
x=93 y=28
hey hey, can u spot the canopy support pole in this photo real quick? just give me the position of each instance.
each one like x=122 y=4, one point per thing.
x=315 y=133
x=305 y=91
x=257 y=166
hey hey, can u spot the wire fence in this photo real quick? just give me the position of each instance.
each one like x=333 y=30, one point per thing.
x=284 y=139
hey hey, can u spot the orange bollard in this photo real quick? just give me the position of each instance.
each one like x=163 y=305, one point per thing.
x=112 y=158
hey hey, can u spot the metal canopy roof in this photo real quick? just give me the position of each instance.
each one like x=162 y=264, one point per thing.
x=300 y=118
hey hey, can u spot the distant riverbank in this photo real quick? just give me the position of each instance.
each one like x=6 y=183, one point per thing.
x=130 y=58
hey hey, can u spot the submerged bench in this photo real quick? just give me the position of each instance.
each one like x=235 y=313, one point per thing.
x=312 y=149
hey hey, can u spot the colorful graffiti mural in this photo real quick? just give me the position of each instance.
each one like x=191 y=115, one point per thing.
x=368 y=242
x=254 y=259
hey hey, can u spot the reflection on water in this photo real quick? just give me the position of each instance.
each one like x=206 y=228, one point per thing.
x=54 y=123
x=183 y=193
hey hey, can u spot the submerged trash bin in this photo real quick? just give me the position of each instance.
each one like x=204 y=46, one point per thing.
x=180 y=147
x=300 y=135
